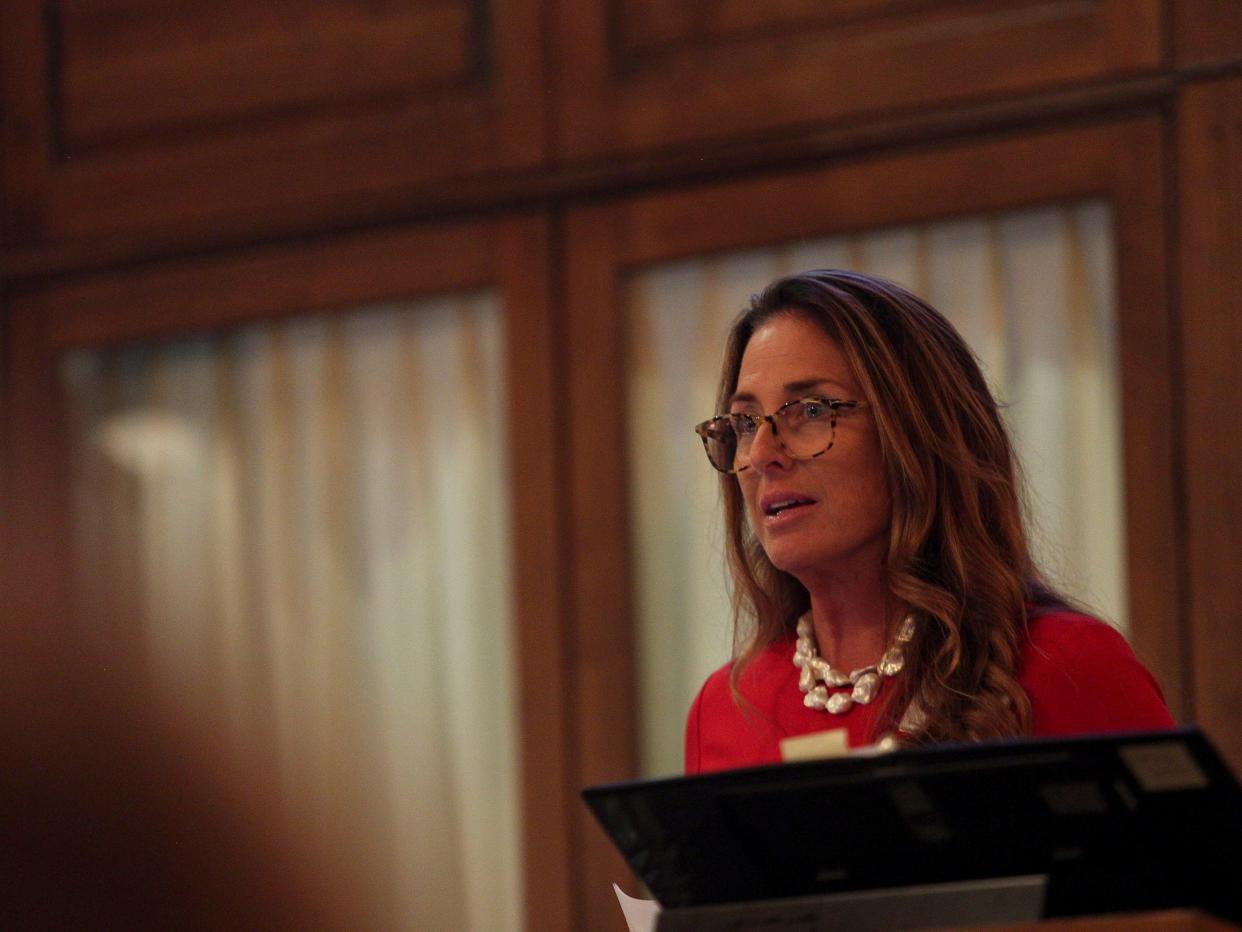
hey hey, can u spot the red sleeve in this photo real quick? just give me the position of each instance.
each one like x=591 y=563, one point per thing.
x=1083 y=678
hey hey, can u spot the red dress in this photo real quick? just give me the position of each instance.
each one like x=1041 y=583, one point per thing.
x=1080 y=674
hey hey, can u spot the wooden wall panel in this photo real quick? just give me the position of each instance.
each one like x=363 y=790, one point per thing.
x=208 y=293
x=639 y=74
x=895 y=188
x=146 y=115
x=24 y=141
x=34 y=498
x=605 y=687
x=1148 y=363
x=551 y=809
x=1210 y=188
x=132 y=72
x=1207 y=32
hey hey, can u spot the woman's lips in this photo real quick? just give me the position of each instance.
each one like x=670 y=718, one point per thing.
x=781 y=506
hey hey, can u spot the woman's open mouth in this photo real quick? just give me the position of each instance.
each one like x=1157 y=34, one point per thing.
x=783 y=505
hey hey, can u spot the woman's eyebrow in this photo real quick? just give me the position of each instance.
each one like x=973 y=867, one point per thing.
x=791 y=388
x=803 y=385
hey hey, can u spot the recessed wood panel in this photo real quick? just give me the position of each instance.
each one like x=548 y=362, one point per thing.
x=638 y=74
x=1210 y=188
x=141 y=116
x=1207 y=32
x=140 y=68
x=649 y=26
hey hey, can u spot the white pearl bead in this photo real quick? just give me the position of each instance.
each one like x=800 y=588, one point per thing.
x=839 y=702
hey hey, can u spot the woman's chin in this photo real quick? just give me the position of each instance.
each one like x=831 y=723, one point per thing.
x=791 y=559
x=807 y=561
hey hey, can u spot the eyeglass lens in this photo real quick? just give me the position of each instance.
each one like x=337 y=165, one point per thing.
x=804 y=428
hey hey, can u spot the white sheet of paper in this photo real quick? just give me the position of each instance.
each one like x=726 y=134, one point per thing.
x=640 y=915
x=816 y=745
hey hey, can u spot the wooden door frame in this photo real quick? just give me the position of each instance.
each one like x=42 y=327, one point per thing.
x=512 y=254
x=1209 y=280
x=1121 y=161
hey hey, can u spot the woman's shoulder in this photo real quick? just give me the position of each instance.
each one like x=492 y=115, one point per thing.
x=723 y=732
x=1082 y=676
x=1058 y=630
x=763 y=671
x=1072 y=645
x=716 y=685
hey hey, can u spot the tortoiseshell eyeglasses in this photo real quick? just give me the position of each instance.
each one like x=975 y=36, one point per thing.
x=805 y=428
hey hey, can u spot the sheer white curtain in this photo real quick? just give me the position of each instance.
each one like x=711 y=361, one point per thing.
x=309 y=520
x=1033 y=294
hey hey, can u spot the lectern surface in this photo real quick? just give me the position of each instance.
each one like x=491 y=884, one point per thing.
x=1170 y=920
x=1115 y=822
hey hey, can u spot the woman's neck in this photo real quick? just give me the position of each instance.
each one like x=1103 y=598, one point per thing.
x=851 y=622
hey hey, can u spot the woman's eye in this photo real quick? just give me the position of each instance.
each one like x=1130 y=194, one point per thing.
x=743 y=425
x=813 y=409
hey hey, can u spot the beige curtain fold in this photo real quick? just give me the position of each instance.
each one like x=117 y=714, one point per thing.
x=307 y=521
x=1031 y=291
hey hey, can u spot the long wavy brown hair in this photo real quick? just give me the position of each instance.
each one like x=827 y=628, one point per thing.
x=957 y=554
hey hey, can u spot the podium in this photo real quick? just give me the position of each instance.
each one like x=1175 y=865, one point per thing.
x=1032 y=834
x=888 y=912
x=1174 y=920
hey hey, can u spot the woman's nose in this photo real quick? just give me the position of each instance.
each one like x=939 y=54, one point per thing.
x=766 y=448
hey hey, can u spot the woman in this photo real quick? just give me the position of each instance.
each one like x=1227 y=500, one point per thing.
x=875 y=536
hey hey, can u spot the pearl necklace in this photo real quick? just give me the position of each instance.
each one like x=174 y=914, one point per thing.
x=865 y=680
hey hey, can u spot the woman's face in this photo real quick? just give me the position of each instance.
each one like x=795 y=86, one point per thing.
x=826 y=517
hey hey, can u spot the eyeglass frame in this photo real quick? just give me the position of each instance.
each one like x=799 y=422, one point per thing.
x=833 y=404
